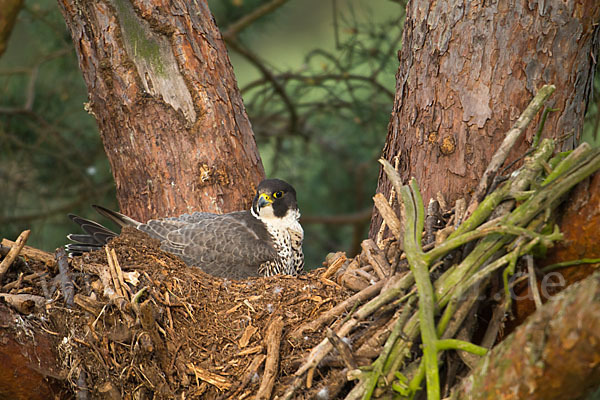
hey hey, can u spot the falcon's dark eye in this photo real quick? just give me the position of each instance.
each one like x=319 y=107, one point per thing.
x=277 y=194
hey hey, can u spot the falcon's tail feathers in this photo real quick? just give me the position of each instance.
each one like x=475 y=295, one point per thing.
x=94 y=238
x=96 y=235
x=118 y=218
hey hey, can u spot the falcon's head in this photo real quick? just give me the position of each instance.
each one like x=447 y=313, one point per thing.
x=274 y=199
x=276 y=207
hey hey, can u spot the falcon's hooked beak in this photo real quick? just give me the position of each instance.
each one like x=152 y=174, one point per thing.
x=264 y=200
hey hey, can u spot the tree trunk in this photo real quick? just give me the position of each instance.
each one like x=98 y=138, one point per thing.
x=8 y=15
x=468 y=70
x=170 y=114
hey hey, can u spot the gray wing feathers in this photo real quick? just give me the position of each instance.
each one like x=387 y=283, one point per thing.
x=222 y=245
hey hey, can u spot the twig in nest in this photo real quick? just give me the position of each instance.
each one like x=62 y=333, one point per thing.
x=13 y=253
x=251 y=370
x=332 y=387
x=351 y=280
x=66 y=283
x=16 y=284
x=460 y=210
x=116 y=273
x=390 y=201
x=399 y=285
x=185 y=305
x=343 y=307
x=26 y=278
x=465 y=332
x=146 y=314
x=334 y=266
x=376 y=258
x=366 y=275
x=24 y=303
x=89 y=304
x=19 y=262
x=218 y=381
x=494 y=326
x=537 y=299
x=389 y=216
x=342 y=348
x=442 y=202
x=31 y=252
x=273 y=341
x=432 y=221
x=169 y=316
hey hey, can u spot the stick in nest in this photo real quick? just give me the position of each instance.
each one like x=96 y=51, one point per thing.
x=116 y=273
x=345 y=306
x=31 y=253
x=66 y=283
x=218 y=381
x=13 y=253
x=273 y=341
x=24 y=303
x=376 y=258
x=342 y=348
x=389 y=216
x=334 y=266
x=248 y=374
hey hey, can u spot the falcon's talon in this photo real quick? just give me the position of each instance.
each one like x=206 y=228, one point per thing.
x=265 y=240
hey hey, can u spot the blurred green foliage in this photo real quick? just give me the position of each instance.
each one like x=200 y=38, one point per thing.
x=320 y=117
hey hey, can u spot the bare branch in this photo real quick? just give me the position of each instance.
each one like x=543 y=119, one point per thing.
x=236 y=27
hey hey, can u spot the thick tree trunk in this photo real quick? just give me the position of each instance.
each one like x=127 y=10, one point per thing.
x=466 y=72
x=170 y=114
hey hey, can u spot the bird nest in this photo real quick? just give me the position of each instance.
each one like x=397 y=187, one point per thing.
x=144 y=324
x=134 y=322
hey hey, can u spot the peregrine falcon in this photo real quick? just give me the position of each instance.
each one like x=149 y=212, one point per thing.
x=263 y=241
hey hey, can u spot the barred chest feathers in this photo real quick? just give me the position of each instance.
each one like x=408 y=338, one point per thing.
x=287 y=234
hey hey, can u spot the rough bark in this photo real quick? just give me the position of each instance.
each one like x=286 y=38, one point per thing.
x=466 y=72
x=170 y=114
x=28 y=358
x=553 y=356
x=8 y=15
